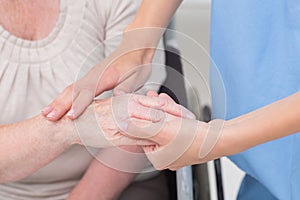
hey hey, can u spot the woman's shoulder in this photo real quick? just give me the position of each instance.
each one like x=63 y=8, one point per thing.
x=106 y=9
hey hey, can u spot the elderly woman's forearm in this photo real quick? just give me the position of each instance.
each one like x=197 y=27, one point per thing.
x=102 y=181
x=29 y=145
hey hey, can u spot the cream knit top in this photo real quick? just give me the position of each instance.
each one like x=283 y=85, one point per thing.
x=33 y=73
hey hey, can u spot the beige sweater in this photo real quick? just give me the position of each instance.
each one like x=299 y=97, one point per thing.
x=33 y=73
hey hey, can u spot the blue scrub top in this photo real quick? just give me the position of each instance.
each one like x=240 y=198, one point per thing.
x=255 y=47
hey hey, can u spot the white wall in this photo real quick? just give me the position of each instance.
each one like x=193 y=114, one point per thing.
x=193 y=19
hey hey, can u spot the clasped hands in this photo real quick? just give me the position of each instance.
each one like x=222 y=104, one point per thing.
x=167 y=132
x=116 y=121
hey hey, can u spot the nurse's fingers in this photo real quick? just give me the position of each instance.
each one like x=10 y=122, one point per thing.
x=152 y=93
x=144 y=130
x=59 y=106
x=173 y=108
x=151 y=101
x=146 y=113
x=166 y=104
x=80 y=103
x=167 y=97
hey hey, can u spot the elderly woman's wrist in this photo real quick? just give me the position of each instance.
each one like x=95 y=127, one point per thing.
x=63 y=131
x=90 y=127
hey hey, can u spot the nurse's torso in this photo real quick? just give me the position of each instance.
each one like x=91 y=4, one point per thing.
x=256 y=49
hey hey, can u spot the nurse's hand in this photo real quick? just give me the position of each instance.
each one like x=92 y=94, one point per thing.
x=124 y=70
x=165 y=103
x=178 y=141
x=103 y=121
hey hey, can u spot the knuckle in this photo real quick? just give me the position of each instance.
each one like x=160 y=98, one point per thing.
x=68 y=89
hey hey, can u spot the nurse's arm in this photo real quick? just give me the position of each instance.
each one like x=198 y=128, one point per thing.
x=148 y=25
x=137 y=48
x=271 y=122
x=154 y=14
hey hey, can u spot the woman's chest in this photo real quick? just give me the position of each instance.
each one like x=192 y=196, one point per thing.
x=29 y=19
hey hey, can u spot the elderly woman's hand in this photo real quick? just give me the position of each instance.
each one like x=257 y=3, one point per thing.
x=104 y=120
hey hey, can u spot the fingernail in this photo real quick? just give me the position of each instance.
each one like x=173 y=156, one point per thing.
x=46 y=109
x=71 y=113
x=51 y=114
